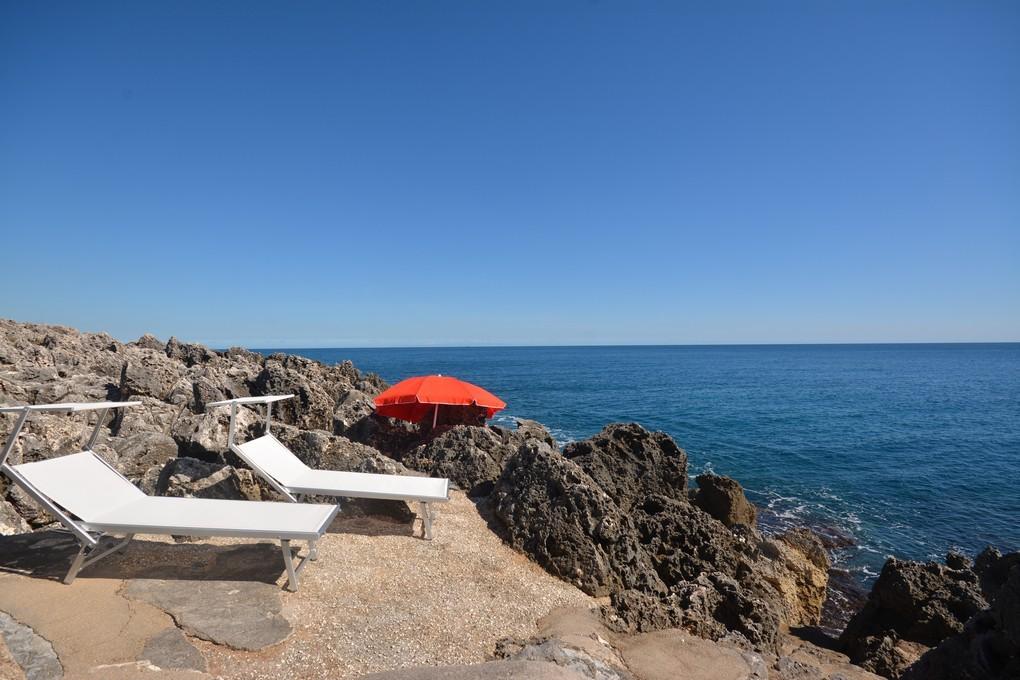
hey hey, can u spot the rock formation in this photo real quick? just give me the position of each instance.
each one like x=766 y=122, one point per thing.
x=724 y=499
x=611 y=514
x=912 y=607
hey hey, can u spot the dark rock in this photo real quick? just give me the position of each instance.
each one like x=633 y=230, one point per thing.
x=724 y=499
x=913 y=603
x=188 y=354
x=988 y=648
x=172 y=650
x=630 y=463
x=556 y=513
x=239 y=614
x=472 y=456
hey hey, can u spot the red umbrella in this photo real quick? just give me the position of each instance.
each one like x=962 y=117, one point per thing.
x=415 y=398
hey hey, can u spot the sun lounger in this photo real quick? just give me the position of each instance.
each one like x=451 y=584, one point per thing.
x=91 y=499
x=275 y=463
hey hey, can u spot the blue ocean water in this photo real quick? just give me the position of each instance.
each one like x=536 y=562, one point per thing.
x=908 y=449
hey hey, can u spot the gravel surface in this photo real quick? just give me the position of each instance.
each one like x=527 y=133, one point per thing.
x=380 y=599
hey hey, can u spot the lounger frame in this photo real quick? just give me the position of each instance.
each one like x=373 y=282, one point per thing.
x=427 y=514
x=89 y=535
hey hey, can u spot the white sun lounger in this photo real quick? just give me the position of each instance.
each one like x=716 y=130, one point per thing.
x=275 y=463
x=91 y=499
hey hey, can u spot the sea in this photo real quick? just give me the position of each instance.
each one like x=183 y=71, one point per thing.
x=906 y=450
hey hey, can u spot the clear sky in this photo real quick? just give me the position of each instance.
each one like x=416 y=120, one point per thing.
x=419 y=173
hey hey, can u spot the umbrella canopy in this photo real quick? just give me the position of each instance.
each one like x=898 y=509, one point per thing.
x=415 y=398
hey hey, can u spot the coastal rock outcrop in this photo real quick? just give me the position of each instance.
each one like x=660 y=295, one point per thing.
x=630 y=463
x=472 y=456
x=912 y=606
x=663 y=561
x=724 y=499
x=171 y=443
x=988 y=647
x=557 y=514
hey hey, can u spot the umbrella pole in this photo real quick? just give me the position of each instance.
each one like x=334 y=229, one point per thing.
x=435 y=416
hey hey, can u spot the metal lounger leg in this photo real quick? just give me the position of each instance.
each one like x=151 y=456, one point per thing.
x=426 y=521
x=313 y=551
x=292 y=570
x=85 y=558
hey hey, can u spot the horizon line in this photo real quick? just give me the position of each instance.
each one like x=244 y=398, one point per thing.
x=636 y=345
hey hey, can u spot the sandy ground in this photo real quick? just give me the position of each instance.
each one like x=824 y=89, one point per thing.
x=378 y=598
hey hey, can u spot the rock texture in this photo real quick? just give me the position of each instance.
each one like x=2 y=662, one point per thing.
x=630 y=463
x=612 y=515
x=239 y=614
x=912 y=606
x=171 y=444
x=988 y=647
x=471 y=456
x=724 y=499
x=578 y=640
x=171 y=649
x=32 y=653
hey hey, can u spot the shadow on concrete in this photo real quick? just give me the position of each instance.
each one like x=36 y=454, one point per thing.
x=48 y=554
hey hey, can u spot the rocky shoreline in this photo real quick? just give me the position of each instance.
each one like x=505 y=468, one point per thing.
x=615 y=515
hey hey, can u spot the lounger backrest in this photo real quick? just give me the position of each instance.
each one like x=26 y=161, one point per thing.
x=80 y=483
x=273 y=459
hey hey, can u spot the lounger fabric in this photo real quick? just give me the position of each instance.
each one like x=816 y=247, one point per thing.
x=104 y=501
x=276 y=460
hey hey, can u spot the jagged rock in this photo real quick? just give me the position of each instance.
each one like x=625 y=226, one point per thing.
x=353 y=406
x=798 y=568
x=724 y=499
x=392 y=436
x=191 y=478
x=205 y=436
x=188 y=354
x=556 y=513
x=138 y=453
x=910 y=602
x=988 y=648
x=149 y=341
x=317 y=389
x=10 y=521
x=471 y=456
x=148 y=373
x=630 y=463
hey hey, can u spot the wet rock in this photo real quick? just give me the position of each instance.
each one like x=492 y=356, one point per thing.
x=630 y=463
x=172 y=650
x=724 y=499
x=239 y=614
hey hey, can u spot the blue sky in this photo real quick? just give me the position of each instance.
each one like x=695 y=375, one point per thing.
x=404 y=173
